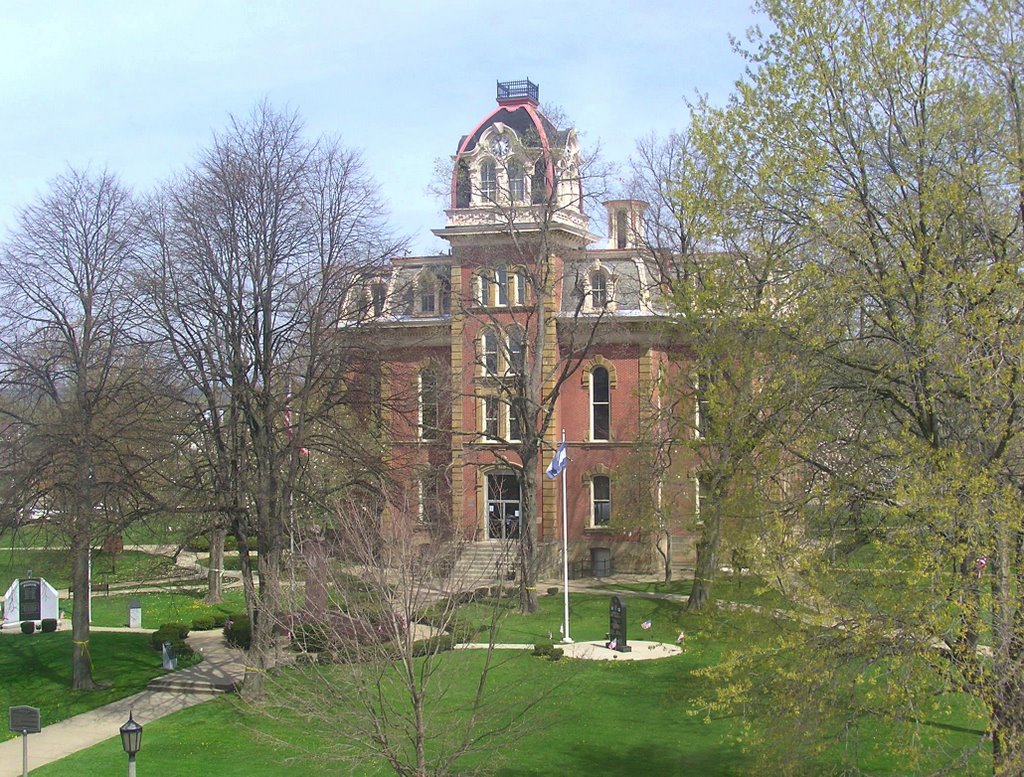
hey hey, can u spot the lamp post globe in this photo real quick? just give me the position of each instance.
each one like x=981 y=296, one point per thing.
x=131 y=741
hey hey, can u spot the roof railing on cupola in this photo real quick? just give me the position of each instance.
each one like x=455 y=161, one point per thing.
x=518 y=92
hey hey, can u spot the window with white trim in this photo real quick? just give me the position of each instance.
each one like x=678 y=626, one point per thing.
x=516 y=361
x=489 y=180
x=516 y=418
x=491 y=418
x=598 y=289
x=600 y=404
x=601 y=500
x=489 y=352
x=516 y=181
x=483 y=288
x=520 y=282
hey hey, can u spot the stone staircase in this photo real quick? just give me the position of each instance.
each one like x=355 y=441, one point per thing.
x=483 y=563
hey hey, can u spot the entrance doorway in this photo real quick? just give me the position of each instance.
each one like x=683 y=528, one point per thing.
x=503 y=514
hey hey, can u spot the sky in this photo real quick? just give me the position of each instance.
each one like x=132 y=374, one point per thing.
x=139 y=87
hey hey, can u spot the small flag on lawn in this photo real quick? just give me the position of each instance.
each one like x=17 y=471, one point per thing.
x=558 y=462
x=613 y=644
x=646 y=625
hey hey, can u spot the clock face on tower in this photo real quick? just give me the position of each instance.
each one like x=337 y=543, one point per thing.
x=500 y=145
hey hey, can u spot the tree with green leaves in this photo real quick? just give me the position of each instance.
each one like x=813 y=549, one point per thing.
x=885 y=138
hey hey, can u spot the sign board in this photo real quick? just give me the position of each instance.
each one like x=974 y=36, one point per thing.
x=617 y=625
x=135 y=614
x=23 y=720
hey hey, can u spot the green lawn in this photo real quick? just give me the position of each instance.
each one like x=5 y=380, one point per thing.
x=36 y=670
x=159 y=608
x=745 y=589
x=55 y=566
x=613 y=718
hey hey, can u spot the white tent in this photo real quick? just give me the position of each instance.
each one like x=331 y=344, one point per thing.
x=30 y=599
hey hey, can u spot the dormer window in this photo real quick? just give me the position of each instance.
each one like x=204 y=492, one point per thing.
x=489 y=180
x=427 y=294
x=378 y=297
x=516 y=181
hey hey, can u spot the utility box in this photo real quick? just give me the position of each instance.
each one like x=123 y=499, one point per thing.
x=30 y=599
x=135 y=614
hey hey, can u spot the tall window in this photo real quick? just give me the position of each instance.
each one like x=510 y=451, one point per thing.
x=501 y=284
x=431 y=495
x=540 y=184
x=600 y=404
x=463 y=187
x=520 y=278
x=516 y=347
x=516 y=416
x=379 y=296
x=516 y=181
x=491 y=417
x=483 y=281
x=598 y=289
x=429 y=396
x=489 y=352
x=446 y=294
x=489 y=180
x=620 y=228
x=601 y=494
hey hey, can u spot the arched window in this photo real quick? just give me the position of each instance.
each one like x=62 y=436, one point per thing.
x=598 y=289
x=516 y=181
x=488 y=180
x=539 y=188
x=601 y=500
x=600 y=404
x=489 y=352
x=429 y=403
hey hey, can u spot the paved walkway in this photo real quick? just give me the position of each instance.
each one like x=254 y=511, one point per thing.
x=221 y=666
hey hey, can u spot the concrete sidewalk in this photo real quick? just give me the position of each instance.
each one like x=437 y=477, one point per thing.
x=222 y=667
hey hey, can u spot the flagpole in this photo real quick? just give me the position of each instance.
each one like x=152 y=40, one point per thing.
x=565 y=553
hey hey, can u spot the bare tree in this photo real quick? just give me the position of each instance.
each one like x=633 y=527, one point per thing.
x=77 y=382
x=255 y=252
x=382 y=645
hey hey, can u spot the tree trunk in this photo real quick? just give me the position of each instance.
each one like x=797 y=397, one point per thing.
x=707 y=562
x=215 y=577
x=81 y=658
x=316 y=577
x=528 y=536
x=665 y=551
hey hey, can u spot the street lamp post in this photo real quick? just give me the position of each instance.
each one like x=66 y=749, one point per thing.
x=131 y=741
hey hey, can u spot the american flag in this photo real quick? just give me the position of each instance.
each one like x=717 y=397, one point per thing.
x=613 y=644
x=646 y=625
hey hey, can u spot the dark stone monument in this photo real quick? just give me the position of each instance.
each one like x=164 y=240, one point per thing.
x=617 y=625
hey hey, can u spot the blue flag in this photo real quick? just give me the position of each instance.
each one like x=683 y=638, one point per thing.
x=558 y=462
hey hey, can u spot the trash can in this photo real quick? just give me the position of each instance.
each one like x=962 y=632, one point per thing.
x=601 y=562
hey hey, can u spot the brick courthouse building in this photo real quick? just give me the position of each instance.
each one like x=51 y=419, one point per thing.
x=459 y=333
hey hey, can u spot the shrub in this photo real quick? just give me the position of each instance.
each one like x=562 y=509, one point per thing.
x=543 y=648
x=238 y=631
x=49 y=625
x=555 y=654
x=28 y=627
x=424 y=647
x=204 y=623
x=311 y=637
x=174 y=633
x=553 y=591
x=219 y=619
